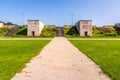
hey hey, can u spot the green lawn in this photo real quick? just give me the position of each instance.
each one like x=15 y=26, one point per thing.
x=15 y=54
x=105 y=53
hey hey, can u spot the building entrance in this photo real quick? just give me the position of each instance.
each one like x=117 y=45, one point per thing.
x=33 y=33
x=86 y=33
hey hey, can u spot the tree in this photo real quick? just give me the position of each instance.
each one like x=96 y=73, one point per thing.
x=110 y=31
x=8 y=23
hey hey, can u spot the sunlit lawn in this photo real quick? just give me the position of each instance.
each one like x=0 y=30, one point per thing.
x=105 y=53
x=14 y=55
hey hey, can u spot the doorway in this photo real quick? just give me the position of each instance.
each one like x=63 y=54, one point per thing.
x=86 y=33
x=33 y=33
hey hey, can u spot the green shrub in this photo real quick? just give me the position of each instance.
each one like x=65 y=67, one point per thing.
x=118 y=31
x=71 y=31
x=4 y=30
x=22 y=31
x=110 y=34
x=48 y=32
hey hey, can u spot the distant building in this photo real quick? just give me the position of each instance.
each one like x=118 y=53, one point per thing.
x=67 y=25
x=108 y=26
x=34 y=27
x=51 y=25
x=117 y=25
x=1 y=25
x=84 y=27
x=10 y=26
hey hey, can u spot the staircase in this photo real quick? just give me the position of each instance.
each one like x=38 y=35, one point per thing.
x=11 y=32
x=59 y=32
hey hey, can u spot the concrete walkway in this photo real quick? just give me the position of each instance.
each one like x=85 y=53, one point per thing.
x=60 y=60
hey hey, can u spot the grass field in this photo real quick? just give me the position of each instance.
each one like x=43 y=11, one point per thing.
x=15 y=54
x=105 y=53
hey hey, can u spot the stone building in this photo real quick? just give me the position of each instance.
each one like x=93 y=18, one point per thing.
x=108 y=26
x=117 y=25
x=84 y=27
x=34 y=27
x=10 y=26
x=1 y=25
x=50 y=25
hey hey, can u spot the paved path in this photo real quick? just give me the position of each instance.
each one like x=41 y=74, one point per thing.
x=60 y=60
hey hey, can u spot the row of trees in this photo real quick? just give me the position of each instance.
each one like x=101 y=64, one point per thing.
x=6 y=23
x=107 y=31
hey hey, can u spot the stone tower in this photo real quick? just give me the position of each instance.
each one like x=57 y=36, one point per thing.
x=34 y=27
x=84 y=27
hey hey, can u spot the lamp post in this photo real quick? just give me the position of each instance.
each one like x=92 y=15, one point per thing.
x=23 y=18
x=72 y=19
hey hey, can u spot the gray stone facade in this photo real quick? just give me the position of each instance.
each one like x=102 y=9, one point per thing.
x=117 y=25
x=34 y=27
x=84 y=27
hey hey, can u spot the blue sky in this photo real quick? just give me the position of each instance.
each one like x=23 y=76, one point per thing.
x=58 y=12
